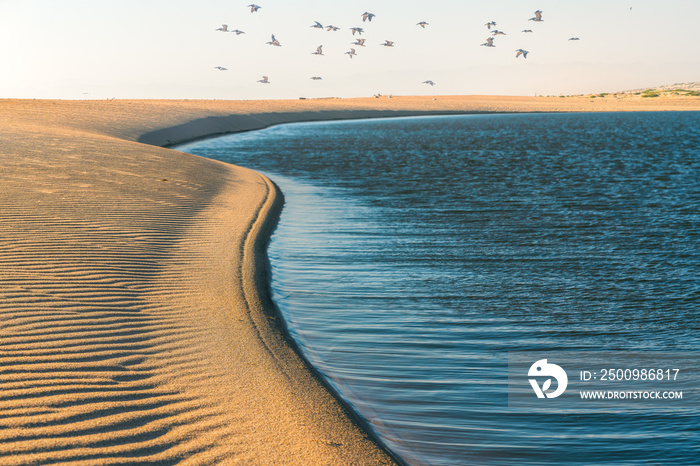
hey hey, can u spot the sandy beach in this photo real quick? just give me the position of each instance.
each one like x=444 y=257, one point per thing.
x=135 y=321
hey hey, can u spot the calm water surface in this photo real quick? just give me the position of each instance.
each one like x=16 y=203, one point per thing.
x=413 y=254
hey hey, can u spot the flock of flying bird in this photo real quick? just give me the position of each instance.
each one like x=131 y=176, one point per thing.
x=489 y=40
x=360 y=42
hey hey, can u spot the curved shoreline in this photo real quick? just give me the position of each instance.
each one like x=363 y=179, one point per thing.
x=267 y=319
x=135 y=325
x=211 y=127
x=135 y=321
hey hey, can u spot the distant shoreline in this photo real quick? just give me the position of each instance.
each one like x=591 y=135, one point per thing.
x=332 y=109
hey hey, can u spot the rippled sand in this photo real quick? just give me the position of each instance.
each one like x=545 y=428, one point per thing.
x=135 y=324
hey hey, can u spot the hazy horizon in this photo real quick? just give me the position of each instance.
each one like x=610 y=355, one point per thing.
x=76 y=49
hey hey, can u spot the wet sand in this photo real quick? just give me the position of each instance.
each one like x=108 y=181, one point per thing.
x=135 y=324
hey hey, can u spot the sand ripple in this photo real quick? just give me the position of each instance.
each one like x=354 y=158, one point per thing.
x=131 y=326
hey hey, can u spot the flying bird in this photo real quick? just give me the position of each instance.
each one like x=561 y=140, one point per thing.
x=223 y=28
x=238 y=32
x=316 y=78
x=332 y=28
x=254 y=7
x=367 y=16
x=527 y=30
x=319 y=50
x=359 y=31
x=489 y=42
x=521 y=52
x=360 y=42
x=221 y=68
x=496 y=32
x=490 y=23
x=428 y=82
x=274 y=42
x=537 y=17
x=264 y=80
x=422 y=24
x=388 y=43
x=317 y=25
x=351 y=52
x=574 y=38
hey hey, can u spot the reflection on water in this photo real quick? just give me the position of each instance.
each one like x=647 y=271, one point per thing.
x=413 y=254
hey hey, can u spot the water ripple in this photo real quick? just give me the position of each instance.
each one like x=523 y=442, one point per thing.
x=413 y=254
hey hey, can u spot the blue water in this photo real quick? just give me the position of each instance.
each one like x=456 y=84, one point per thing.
x=413 y=254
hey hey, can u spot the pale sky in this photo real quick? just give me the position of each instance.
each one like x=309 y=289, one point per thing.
x=81 y=49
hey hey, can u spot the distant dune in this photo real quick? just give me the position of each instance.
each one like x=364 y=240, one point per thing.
x=692 y=86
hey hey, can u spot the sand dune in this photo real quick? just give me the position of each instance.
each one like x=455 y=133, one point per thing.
x=135 y=325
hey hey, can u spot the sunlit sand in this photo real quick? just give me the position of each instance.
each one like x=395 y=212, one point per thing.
x=135 y=320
